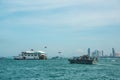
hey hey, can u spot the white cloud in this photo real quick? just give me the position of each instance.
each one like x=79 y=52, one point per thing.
x=87 y=13
x=25 y=5
x=75 y=19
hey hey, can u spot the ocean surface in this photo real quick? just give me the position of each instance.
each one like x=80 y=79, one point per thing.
x=106 y=69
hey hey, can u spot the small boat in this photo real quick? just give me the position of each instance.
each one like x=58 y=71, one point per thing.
x=2 y=58
x=56 y=57
x=85 y=59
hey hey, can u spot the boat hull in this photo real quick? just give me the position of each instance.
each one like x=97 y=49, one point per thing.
x=26 y=58
x=82 y=61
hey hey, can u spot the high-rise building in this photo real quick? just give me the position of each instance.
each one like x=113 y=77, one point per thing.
x=113 y=52
x=102 y=53
x=96 y=53
x=88 y=51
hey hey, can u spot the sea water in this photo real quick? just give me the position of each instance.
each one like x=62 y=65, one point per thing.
x=106 y=69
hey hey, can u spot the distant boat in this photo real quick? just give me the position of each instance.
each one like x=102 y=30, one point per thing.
x=57 y=57
x=2 y=58
x=85 y=59
x=31 y=55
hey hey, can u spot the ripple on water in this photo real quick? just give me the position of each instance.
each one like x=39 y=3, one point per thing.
x=57 y=70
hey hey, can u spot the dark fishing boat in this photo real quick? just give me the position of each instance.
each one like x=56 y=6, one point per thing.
x=85 y=59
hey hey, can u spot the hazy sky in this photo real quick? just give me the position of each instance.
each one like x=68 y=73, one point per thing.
x=69 y=26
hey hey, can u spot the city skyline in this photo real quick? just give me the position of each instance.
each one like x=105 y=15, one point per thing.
x=70 y=27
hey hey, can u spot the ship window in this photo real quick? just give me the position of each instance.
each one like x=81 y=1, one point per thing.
x=35 y=54
x=28 y=55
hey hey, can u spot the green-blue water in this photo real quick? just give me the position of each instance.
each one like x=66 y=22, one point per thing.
x=106 y=69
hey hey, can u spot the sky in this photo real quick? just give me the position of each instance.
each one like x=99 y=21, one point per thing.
x=69 y=26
